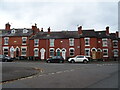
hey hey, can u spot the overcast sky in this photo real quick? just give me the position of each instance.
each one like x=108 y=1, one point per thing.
x=59 y=15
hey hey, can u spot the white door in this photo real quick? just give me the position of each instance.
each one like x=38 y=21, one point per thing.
x=64 y=53
x=12 y=52
x=42 y=53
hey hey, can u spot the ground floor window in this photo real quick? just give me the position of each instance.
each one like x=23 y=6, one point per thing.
x=105 y=52
x=23 y=51
x=36 y=52
x=5 y=52
x=115 y=51
x=51 y=52
x=72 y=51
x=87 y=52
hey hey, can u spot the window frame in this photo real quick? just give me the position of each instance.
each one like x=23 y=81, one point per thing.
x=104 y=42
x=6 y=38
x=52 y=42
x=87 y=41
x=71 y=52
x=88 y=52
x=104 y=53
x=115 y=41
x=36 y=54
x=24 y=41
x=36 y=44
x=71 y=41
x=24 y=51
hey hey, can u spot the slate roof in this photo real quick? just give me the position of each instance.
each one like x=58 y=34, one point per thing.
x=88 y=33
x=18 y=32
x=56 y=35
x=102 y=34
x=113 y=36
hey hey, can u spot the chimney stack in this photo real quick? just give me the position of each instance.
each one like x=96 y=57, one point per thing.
x=35 y=29
x=49 y=30
x=41 y=29
x=7 y=26
x=80 y=29
x=118 y=34
x=107 y=30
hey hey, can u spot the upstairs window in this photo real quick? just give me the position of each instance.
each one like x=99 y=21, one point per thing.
x=115 y=44
x=24 y=40
x=71 y=41
x=52 y=42
x=36 y=42
x=105 y=42
x=6 y=39
x=87 y=41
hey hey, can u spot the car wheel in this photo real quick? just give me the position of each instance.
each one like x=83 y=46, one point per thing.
x=85 y=61
x=48 y=61
x=72 y=61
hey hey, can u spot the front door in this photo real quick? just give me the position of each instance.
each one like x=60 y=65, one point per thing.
x=42 y=53
x=17 y=52
x=64 y=53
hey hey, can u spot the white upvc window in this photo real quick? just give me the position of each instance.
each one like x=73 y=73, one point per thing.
x=105 y=42
x=71 y=51
x=71 y=41
x=5 y=50
x=52 y=42
x=25 y=31
x=13 y=31
x=36 y=52
x=51 y=52
x=115 y=52
x=87 y=41
x=24 y=40
x=23 y=51
x=36 y=42
x=87 y=52
x=105 y=52
x=115 y=43
x=6 y=40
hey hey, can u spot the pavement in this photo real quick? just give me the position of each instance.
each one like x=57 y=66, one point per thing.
x=10 y=73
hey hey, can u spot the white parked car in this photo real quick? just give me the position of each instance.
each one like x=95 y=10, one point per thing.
x=78 y=58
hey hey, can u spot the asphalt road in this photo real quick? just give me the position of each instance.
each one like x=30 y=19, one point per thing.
x=66 y=75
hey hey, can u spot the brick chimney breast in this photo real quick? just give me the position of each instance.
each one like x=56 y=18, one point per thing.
x=7 y=26
x=107 y=30
x=49 y=30
x=80 y=29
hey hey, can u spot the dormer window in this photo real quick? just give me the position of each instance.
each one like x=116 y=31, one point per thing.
x=13 y=31
x=25 y=31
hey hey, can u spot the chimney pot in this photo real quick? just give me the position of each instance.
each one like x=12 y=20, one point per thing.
x=7 y=26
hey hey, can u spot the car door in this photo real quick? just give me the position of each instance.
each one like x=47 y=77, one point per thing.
x=79 y=58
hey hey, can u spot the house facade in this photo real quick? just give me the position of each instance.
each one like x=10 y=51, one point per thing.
x=31 y=42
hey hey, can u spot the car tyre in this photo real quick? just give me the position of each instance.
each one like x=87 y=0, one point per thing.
x=85 y=61
x=72 y=61
x=48 y=61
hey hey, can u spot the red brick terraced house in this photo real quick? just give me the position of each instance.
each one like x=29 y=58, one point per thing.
x=15 y=42
x=31 y=42
x=93 y=44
